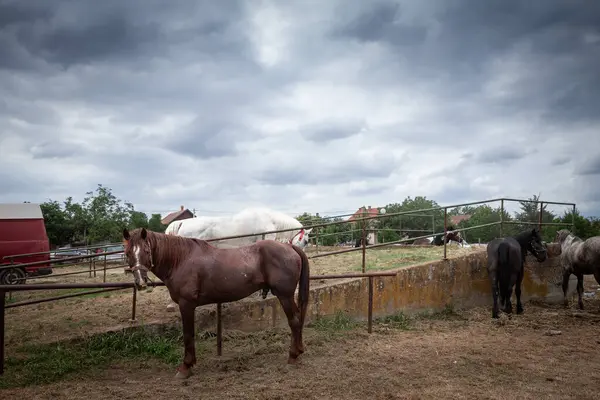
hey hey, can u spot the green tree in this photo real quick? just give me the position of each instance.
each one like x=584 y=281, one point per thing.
x=413 y=225
x=155 y=225
x=107 y=215
x=138 y=219
x=58 y=227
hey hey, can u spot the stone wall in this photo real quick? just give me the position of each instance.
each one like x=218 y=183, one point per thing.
x=461 y=282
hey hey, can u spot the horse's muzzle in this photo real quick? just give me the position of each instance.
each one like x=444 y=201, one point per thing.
x=139 y=281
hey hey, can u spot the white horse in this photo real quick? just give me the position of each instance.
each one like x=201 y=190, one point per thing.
x=250 y=221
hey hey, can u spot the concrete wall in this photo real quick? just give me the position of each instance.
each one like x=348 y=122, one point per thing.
x=462 y=282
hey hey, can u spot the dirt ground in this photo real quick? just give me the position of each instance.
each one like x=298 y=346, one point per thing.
x=548 y=352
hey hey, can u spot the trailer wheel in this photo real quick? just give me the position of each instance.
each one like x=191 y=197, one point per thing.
x=12 y=276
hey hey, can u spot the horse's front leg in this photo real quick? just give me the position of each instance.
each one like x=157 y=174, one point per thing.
x=187 y=310
x=565 y=287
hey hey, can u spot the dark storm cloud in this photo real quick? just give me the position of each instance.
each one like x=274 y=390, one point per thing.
x=206 y=139
x=590 y=166
x=561 y=160
x=460 y=38
x=70 y=33
x=53 y=149
x=500 y=155
x=328 y=131
x=324 y=172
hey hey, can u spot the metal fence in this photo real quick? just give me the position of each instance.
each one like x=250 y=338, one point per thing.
x=113 y=286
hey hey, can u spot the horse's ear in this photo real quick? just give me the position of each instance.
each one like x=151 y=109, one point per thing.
x=126 y=234
x=144 y=233
x=307 y=231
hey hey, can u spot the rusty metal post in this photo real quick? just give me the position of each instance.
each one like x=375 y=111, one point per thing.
x=573 y=220
x=445 y=230
x=2 y=305
x=134 y=304
x=219 y=331
x=540 y=217
x=91 y=261
x=502 y=218
x=104 y=270
x=364 y=244
x=370 y=311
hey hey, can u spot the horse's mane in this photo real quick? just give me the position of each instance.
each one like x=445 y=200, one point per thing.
x=171 y=249
x=524 y=236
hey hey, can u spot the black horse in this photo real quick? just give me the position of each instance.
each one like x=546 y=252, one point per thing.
x=451 y=234
x=359 y=242
x=505 y=263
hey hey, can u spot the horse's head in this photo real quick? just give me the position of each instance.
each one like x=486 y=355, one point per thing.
x=561 y=236
x=139 y=255
x=301 y=238
x=536 y=246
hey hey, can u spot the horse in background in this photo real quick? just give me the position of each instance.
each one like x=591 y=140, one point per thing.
x=505 y=264
x=196 y=274
x=247 y=222
x=452 y=235
x=578 y=257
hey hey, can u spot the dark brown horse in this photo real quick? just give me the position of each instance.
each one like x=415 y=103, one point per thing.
x=578 y=257
x=196 y=273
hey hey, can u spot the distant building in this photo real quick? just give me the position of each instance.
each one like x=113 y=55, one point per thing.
x=183 y=213
x=365 y=212
x=457 y=219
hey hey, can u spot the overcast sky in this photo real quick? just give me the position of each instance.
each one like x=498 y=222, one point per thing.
x=319 y=106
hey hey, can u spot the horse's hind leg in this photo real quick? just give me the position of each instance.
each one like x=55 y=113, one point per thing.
x=580 y=291
x=494 y=280
x=293 y=316
x=518 y=291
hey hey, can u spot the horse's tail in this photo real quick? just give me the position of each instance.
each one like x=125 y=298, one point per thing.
x=504 y=268
x=303 y=284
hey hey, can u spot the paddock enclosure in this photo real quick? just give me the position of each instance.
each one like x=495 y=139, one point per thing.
x=453 y=350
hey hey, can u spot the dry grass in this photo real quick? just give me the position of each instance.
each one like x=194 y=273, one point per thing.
x=380 y=259
x=464 y=355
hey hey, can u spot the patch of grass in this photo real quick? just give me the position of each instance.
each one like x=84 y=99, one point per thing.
x=446 y=314
x=39 y=364
x=398 y=321
x=403 y=321
x=340 y=321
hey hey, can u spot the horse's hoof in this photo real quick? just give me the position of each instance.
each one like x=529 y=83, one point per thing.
x=183 y=375
x=292 y=360
x=171 y=307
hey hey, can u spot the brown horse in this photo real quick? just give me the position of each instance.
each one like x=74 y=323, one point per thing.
x=196 y=273
x=578 y=257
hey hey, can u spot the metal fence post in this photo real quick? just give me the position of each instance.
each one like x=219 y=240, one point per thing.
x=317 y=240
x=445 y=229
x=502 y=218
x=104 y=270
x=540 y=216
x=370 y=311
x=364 y=244
x=219 y=331
x=134 y=304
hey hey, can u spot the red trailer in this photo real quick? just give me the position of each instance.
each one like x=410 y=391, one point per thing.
x=22 y=231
